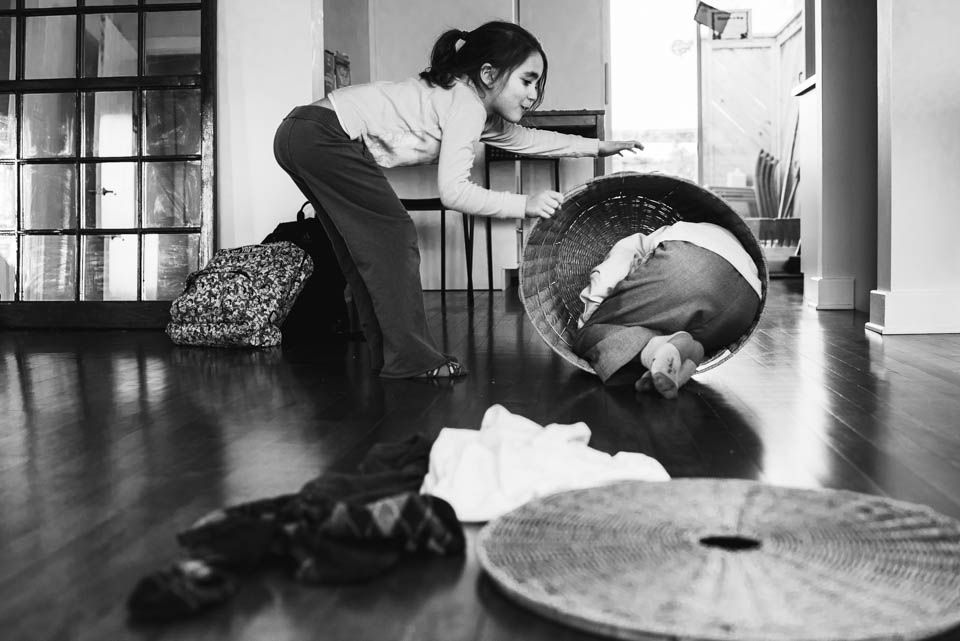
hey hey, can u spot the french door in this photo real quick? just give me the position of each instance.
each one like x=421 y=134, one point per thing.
x=106 y=158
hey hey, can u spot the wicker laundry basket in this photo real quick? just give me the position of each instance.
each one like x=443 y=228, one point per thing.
x=729 y=560
x=561 y=251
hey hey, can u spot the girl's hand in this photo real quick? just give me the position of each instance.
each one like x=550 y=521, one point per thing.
x=610 y=147
x=543 y=205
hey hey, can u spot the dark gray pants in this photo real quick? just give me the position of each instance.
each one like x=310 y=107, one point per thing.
x=681 y=287
x=372 y=235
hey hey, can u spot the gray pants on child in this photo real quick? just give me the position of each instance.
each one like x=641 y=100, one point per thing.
x=681 y=287
x=373 y=237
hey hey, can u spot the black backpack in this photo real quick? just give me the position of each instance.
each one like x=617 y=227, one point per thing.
x=320 y=310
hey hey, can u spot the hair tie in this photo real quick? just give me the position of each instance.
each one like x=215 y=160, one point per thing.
x=461 y=40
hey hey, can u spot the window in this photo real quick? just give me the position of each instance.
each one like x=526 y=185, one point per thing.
x=106 y=150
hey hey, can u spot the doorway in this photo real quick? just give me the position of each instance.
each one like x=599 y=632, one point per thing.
x=654 y=85
x=714 y=104
x=106 y=158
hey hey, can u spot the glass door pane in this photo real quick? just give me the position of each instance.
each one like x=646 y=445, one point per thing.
x=171 y=122
x=8 y=125
x=172 y=43
x=167 y=260
x=110 y=45
x=107 y=273
x=51 y=49
x=8 y=267
x=171 y=194
x=48 y=4
x=8 y=48
x=8 y=197
x=109 y=124
x=110 y=195
x=49 y=125
x=49 y=268
x=49 y=196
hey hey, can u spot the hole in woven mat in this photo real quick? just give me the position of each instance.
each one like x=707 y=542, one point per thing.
x=730 y=543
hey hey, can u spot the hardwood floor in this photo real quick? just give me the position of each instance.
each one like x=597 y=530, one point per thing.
x=113 y=441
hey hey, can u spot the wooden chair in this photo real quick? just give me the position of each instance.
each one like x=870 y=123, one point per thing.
x=495 y=154
x=434 y=204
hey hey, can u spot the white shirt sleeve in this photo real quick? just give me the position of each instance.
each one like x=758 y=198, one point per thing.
x=537 y=142
x=461 y=130
x=605 y=276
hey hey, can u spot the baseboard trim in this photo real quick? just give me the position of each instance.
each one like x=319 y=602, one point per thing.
x=914 y=312
x=829 y=293
x=86 y=315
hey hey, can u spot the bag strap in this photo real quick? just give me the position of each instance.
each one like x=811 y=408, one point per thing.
x=301 y=215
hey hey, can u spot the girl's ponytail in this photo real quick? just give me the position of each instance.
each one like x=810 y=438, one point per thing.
x=443 y=67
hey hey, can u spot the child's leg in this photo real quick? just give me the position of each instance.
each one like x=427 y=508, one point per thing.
x=361 y=297
x=376 y=230
x=684 y=287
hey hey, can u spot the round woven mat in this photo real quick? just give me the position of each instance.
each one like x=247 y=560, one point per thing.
x=560 y=252
x=711 y=559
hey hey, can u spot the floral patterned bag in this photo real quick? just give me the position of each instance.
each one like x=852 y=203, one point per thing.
x=241 y=297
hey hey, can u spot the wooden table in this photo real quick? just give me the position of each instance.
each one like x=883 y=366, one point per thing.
x=587 y=123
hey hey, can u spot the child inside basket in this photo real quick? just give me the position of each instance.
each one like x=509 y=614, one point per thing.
x=477 y=88
x=666 y=299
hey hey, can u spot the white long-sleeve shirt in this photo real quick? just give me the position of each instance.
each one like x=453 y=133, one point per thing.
x=619 y=261
x=412 y=123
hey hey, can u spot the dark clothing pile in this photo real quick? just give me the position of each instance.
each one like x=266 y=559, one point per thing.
x=338 y=528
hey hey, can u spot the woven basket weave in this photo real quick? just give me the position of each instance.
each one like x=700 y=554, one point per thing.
x=725 y=560
x=561 y=251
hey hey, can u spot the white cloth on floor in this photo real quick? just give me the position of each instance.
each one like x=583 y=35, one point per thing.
x=511 y=460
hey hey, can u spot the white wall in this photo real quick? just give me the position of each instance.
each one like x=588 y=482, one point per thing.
x=346 y=28
x=848 y=85
x=265 y=67
x=919 y=167
x=809 y=194
x=839 y=240
x=573 y=34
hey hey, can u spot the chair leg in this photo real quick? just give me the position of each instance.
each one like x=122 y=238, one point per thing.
x=443 y=250
x=488 y=227
x=468 y=229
